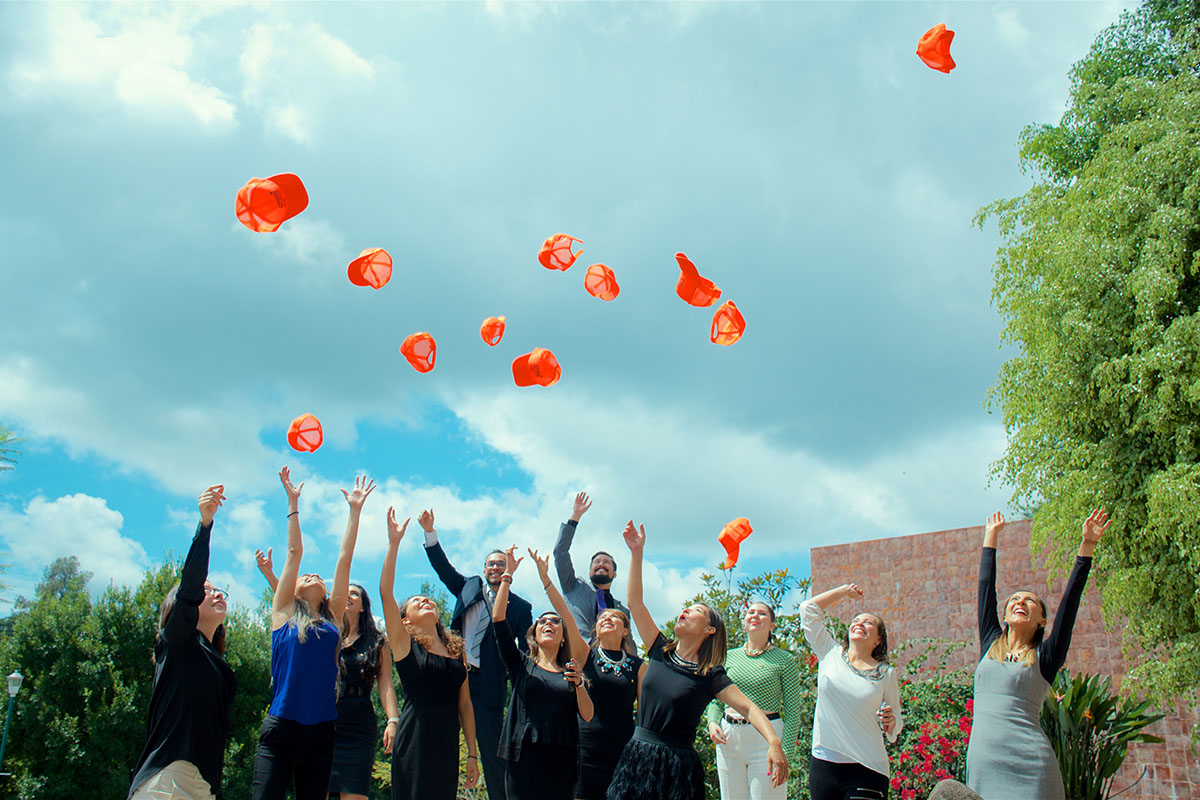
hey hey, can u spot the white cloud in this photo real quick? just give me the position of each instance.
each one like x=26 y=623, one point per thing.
x=144 y=61
x=292 y=72
x=311 y=242
x=77 y=525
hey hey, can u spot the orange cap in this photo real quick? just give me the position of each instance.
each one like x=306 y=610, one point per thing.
x=728 y=324
x=601 y=282
x=492 y=330
x=934 y=48
x=538 y=366
x=421 y=351
x=555 y=252
x=304 y=434
x=731 y=537
x=264 y=204
x=693 y=288
x=373 y=268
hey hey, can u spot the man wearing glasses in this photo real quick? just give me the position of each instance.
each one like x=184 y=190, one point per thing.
x=487 y=677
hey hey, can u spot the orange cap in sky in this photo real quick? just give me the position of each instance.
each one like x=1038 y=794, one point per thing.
x=693 y=288
x=373 y=268
x=728 y=324
x=304 y=434
x=555 y=252
x=264 y=204
x=601 y=282
x=731 y=538
x=492 y=330
x=539 y=366
x=934 y=48
x=421 y=351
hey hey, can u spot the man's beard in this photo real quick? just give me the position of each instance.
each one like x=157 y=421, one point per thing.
x=602 y=581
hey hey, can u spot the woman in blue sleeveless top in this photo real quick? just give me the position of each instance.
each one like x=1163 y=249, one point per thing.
x=296 y=741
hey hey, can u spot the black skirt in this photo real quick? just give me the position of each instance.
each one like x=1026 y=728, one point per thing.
x=354 y=746
x=652 y=770
x=544 y=772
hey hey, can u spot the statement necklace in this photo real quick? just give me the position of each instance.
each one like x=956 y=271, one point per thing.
x=605 y=664
x=690 y=666
x=753 y=652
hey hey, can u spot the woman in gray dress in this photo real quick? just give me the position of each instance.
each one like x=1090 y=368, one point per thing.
x=1009 y=755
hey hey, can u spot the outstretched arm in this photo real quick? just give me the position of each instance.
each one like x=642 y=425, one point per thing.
x=1053 y=652
x=398 y=639
x=267 y=567
x=181 y=624
x=341 y=575
x=829 y=598
x=504 y=635
x=285 y=589
x=575 y=641
x=635 y=538
x=989 y=622
x=451 y=578
x=562 y=547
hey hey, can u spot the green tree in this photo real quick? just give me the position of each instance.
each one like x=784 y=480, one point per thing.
x=7 y=451
x=1098 y=283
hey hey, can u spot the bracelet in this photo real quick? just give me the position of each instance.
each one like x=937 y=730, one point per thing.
x=393 y=719
x=294 y=513
x=506 y=578
x=469 y=757
x=546 y=585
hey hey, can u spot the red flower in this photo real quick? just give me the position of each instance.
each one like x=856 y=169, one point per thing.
x=908 y=794
x=971 y=706
x=811 y=660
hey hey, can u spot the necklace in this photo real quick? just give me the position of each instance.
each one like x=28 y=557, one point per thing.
x=755 y=652
x=690 y=666
x=615 y=666
x=875 y=673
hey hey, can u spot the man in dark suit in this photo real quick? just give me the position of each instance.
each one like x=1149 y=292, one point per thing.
x=487 y=677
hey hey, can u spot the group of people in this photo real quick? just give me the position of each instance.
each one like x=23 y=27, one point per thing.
x=562 y=706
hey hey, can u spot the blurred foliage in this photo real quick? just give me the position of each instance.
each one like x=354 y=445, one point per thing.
x=1098 y=283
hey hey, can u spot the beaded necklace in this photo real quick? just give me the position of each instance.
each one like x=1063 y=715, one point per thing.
x=605 y=664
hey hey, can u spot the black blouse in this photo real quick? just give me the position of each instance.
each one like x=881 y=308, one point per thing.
x=193 y=685
x=355 y=678
x=542 y=707
x=613 y=689
x=1052 y=652
x=674 y=696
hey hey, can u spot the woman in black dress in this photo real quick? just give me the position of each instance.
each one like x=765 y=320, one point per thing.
x=433 y=679
x=614 y=676
x=540 y=740
x=188 y=723
x=683 y=676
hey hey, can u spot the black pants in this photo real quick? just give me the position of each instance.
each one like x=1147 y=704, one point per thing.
x=830 y=781
x=489 y=722
x=287 y=750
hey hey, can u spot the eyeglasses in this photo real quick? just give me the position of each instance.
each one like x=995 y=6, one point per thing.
x=215 y=590
x=551 y=619
x=494 y=564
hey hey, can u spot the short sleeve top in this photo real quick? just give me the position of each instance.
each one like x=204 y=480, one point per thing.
x=612 y=685
x=674 y=696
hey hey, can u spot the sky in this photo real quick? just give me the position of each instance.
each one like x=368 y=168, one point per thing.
x=799 y=153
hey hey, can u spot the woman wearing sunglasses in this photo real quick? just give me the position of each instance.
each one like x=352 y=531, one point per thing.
x=540 y=741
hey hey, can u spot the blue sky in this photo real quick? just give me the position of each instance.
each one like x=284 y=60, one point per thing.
x=799 y=153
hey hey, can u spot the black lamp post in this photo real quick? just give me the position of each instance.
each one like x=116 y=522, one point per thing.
x=14 y=686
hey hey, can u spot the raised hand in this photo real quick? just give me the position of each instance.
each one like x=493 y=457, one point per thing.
x=995 y=524
x=635 y=538
x=362 y=488
x=293 y=491
x=395 y=532
x=582 y=504
x=543 y=565
x=1093 y=528
x=265 y=565
x=512 y=562
x=425 y=520
x=210 y=500
x=852 y=591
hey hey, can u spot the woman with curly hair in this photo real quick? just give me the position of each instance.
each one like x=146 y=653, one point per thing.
x=858 y=702
x=433 y=679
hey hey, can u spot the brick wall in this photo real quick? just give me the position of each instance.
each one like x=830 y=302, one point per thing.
x=925 y=586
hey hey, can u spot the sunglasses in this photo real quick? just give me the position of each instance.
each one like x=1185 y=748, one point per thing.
x=552 y=619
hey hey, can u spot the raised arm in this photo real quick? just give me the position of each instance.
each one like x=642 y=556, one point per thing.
x=267 y=567
x=341 y=574
x=398 y=639
x=451 y=578
x=777 y=765
x=575 y=641
x=562 y=548
x=1053 y=652
x=989 y=621
x=635 y=539
x=285 y=589
x=181 y=624
x=504 y=634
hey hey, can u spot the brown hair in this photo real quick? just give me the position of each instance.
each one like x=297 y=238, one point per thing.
x=452 y=641
x=564 y=647
x=712 y=649
x=880 y=651
x=626 y=640
x=1000 y=650
x=770 y=610
x=164 y=614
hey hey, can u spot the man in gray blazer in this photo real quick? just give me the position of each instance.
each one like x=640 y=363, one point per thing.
x=586 y=598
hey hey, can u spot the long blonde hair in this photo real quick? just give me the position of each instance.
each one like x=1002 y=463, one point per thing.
x=1000 y=649
x=304 y=620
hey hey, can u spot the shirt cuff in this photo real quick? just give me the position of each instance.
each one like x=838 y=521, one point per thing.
x=431 y=538
x=573 y=522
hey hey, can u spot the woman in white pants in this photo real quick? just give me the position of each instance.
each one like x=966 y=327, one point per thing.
x=770 y=677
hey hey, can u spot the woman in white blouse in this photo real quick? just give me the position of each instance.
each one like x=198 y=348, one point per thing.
x=858 y=703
